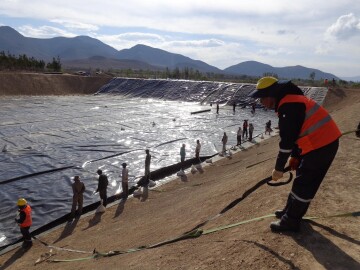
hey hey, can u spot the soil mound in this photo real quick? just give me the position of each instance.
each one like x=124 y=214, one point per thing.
x=49 y=84
x=174 y=208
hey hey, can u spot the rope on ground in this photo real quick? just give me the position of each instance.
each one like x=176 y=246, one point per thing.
x=348 y=132
x=244 y=195
x=348 y=214
x=60 y=248
x=194 y=234
x=260 y=162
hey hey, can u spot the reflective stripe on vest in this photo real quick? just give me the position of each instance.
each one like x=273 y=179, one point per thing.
x=28 y=220
x=318 y=128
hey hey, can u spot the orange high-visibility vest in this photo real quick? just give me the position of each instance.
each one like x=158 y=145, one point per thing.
x=318 y=129
x=28 y=220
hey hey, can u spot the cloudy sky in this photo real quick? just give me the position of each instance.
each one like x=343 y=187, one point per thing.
x=322 y=34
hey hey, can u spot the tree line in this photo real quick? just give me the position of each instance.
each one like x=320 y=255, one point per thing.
x=185 y=73
x=23 y=62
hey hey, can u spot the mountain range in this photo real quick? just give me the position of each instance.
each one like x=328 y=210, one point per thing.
x=83 y=52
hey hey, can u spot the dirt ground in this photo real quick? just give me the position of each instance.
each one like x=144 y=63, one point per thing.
x=174 y=208
x=18 y=83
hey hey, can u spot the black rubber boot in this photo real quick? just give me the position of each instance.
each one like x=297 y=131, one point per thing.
x=284 y=226
x=291 y=220
x=27 y=244
x=280 y=213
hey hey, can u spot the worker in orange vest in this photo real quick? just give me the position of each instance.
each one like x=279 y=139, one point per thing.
x=307 y=134
x=24 y=220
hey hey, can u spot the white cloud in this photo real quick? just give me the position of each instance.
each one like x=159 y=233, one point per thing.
x=222 y=56
x=323 y=48
x=44 y=32
x=345 y=27
x=274 y=52
x=285 y=32
x=196 y=43
x=221 y=33
x=140 y=36
x=76 y=25
x=127 y=40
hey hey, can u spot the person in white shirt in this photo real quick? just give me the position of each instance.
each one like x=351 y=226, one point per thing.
x=251 y=131
x=239 y=133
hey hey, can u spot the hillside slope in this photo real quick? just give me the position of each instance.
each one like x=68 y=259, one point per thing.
x=253 y=68
x=17 y=83
x=174 y=208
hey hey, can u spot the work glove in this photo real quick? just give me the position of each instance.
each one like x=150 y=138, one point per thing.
x=294 y=163
x=276 y=175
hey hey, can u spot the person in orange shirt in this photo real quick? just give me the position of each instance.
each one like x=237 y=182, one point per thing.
x=309 y=135
x=24 y=221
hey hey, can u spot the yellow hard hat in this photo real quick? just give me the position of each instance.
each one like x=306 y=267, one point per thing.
x=265 y=87
x=21 y=202
x=265 y=82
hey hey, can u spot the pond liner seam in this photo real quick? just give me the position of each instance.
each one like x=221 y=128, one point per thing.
x=37 y=173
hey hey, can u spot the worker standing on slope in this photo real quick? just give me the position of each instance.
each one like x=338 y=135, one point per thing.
x=268 y=127
x=24 y=221
x=253 y=108
x=238 y=136
x=224 y=142
x=309 y=135
x=102 y=186
x=197 y=151
x=125 y=181
x=78 y=188
x=251 y=131
x=245 y=129
x=147 y=167
x=182 y=155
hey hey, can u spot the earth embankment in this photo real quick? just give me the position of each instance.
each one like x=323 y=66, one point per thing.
x=174 y=208
x=15 y=83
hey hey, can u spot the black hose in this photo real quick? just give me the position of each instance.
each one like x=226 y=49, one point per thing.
x=245 y=194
